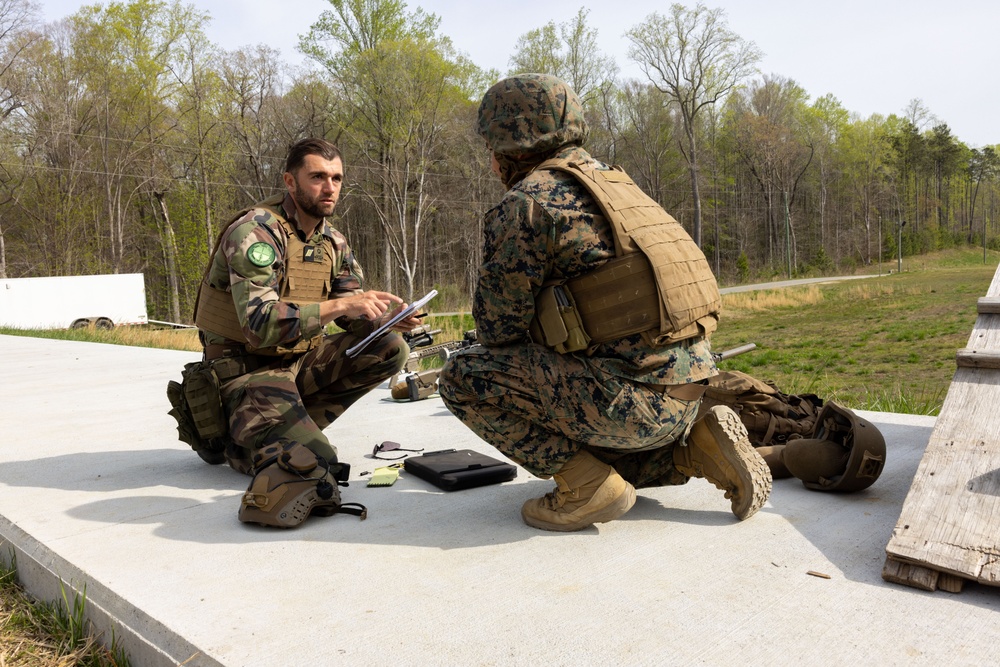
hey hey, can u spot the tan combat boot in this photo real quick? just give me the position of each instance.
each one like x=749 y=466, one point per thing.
x=587 y=492
x=719 y=450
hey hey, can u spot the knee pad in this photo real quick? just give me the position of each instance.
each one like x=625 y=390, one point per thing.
x=289 y=484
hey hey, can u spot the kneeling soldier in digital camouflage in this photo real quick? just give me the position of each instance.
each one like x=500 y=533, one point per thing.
x=278 y=275
x=594 y=309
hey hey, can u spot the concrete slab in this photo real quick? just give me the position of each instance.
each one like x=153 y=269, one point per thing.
x=96 y=491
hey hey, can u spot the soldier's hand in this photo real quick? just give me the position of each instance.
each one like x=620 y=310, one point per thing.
x=410 y=323
x=370 y=305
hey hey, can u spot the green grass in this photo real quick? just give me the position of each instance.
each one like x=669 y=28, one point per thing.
x=40 y=633
x=885 y=344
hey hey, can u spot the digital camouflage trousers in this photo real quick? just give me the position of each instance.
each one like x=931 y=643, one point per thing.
x=295 y=400
x=539 y=408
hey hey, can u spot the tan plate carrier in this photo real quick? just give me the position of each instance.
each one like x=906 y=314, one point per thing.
x=659 y=283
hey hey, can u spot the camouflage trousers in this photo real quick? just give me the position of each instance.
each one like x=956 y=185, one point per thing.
x=539 y=408
x=298 y=398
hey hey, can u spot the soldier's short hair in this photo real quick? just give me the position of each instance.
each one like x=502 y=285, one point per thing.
x=298 y=151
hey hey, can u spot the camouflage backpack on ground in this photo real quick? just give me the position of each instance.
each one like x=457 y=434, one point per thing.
x=770 y=416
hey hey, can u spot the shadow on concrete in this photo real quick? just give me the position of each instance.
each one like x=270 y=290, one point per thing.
x=411 y=513
x=852 y=529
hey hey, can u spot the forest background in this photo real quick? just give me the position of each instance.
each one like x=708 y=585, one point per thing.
x=127 y=139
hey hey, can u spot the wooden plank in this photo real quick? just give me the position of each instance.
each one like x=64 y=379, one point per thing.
x=988 y=305
x=950 y=583
x=950 y=521
x=916 y=576
x=978 y=359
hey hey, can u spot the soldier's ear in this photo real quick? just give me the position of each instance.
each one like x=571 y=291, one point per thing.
x=289 y=181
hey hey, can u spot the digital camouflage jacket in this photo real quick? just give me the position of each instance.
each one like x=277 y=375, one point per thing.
x=548 y=225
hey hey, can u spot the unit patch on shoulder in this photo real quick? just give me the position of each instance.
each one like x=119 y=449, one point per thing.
x=261 y=254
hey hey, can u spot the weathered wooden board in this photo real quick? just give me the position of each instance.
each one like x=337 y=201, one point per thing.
x=950 y=522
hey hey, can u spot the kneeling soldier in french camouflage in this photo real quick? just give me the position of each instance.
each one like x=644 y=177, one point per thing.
x=278 y=275
x=594 y=309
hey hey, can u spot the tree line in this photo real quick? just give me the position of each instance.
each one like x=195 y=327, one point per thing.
x=128 y=140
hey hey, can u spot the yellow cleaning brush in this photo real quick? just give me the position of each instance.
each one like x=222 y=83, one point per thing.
x=386 y=476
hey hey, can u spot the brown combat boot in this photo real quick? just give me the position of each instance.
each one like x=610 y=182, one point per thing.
x=719 y=450
x=587 y=492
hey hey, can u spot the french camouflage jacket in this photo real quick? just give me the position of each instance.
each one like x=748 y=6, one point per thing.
x=251 y=262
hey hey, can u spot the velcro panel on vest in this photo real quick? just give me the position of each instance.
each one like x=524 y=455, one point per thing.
x=688 y=293
x=216 y=313
x=306 y=282
x=618 y=299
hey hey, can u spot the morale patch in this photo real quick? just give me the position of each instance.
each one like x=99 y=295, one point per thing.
x=261 y=254
x=312 y=254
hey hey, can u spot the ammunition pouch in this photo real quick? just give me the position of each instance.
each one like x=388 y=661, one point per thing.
x=557 y=323
x=197 y=406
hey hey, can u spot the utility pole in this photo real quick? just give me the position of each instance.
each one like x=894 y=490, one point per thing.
x=899 y=246
x=788 y=238
x=880 y=245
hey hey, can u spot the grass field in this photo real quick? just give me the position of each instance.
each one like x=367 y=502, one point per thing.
x=885 y=344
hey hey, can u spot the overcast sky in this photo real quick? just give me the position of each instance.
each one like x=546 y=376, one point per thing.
x=873 y=55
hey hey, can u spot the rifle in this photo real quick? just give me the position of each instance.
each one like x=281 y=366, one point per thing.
x=416 y=385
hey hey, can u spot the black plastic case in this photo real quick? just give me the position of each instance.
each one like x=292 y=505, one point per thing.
x=454 y=470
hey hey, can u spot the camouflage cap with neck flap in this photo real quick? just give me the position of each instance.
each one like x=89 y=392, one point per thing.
x=528 y=117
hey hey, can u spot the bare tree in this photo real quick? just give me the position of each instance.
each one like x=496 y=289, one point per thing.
x=567 y=50
x=693 y=57
x=772 y=139
x=253 y=81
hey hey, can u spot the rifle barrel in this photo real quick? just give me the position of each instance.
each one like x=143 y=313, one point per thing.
x=735 y=351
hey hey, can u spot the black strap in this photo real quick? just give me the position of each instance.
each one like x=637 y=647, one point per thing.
x=356 y=509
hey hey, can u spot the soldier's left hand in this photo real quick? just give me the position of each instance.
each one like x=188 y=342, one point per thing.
x=410 y=323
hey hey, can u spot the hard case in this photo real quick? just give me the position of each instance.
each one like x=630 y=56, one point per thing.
x=454 y=470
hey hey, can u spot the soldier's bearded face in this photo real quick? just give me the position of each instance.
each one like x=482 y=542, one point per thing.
x=315 y=186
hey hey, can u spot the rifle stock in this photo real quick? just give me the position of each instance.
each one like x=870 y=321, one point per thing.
x=415 y=385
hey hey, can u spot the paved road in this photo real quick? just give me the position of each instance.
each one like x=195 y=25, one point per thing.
x=789 y=283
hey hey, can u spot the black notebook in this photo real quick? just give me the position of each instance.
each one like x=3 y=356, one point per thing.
x=453 y=470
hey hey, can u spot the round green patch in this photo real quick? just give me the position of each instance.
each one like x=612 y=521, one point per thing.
x=261 y=254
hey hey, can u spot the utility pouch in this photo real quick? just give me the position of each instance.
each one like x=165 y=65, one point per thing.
x=186 y=431
x=204 y=400
x=557 y=322
x=196 y=405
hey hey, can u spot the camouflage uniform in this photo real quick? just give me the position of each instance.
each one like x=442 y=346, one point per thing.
x=291 y=397
x=533 y=404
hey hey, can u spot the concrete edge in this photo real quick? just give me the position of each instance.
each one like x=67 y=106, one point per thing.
x=47 y=576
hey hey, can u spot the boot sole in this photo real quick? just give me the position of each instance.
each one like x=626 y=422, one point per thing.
x=743 y=457
x=610 y=512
